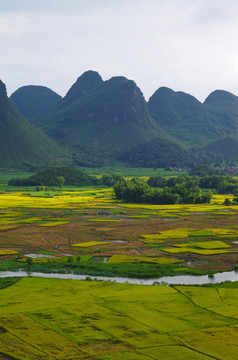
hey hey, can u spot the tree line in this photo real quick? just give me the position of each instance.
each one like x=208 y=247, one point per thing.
x=183 y=189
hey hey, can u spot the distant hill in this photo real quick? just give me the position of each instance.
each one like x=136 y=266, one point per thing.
x=195 y=124
x=101 y=122
x=22 y=145
x=98 y=119
x=48 y=177
x=32 y=101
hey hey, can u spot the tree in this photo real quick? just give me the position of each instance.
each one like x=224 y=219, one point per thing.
x=60 y=181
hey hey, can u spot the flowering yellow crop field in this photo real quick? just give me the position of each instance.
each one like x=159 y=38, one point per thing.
x=90 y=243
x=8 y=252
x=55 y=223
x=139 y=259
x=195 y=251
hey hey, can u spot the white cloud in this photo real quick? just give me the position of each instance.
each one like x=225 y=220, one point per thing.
x=188 y=45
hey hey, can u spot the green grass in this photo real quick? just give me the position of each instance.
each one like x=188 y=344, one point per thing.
x=128 y=171
x=7 y=174
x=63 y=319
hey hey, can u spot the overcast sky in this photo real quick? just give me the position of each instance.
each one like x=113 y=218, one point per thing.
x=187 y=45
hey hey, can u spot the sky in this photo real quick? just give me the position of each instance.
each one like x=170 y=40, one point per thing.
x=186 y=45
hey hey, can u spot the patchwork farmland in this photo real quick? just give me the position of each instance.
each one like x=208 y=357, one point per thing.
x=89 y=232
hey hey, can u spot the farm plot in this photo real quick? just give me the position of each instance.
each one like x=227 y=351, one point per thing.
x=30 y=223
x=59 y=319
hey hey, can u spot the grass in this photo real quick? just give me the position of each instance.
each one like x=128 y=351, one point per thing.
x=128 y=171
x=106 y=321
x=140 y=259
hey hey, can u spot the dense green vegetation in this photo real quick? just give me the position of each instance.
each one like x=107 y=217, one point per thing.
x=98 y=119
x=158 y=153
x=21 y=144
x=220 y=183
x=195 y=124
x=50 y=177
x=92 y=267
x=32 y=101
x=181 y=190
x=100 y=122
x=64 y=175
x=225 y=148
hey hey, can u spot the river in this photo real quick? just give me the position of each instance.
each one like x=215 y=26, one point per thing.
x=169 y=280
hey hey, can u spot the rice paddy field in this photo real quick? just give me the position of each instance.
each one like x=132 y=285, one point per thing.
x=88 y=229
x=90 y=221
x=69 y=319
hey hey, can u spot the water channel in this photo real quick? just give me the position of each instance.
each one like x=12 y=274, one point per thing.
x=165 y=280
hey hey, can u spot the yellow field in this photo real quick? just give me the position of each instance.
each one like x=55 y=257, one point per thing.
x=139 y=259
x=90 y=243
x=8 y=252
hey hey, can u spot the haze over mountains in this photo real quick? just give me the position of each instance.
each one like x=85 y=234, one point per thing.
x=100 y=122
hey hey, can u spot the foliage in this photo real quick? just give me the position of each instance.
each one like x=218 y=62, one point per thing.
x=60 y=181
x=22 y=145
x=158 y=153
x=182 y=190
x=111 y=180
x=33 y=100
x=203 y=170
x=191 y=122
x=98 y=119
x=223 y=184
x=51 y=176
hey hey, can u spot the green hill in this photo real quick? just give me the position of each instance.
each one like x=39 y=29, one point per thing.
x=184 y=117
x=33 y=100
x=98 y=119
x=49 y=177
x=158 y=153
x=21 y=144
x=103 y=121
x=226 y=148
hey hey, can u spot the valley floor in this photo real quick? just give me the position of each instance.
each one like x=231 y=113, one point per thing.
x=88 y=231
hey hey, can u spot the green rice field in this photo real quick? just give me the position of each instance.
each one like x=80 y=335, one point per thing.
x=69 y=319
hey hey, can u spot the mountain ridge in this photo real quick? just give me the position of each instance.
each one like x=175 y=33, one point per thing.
x=102 y=121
